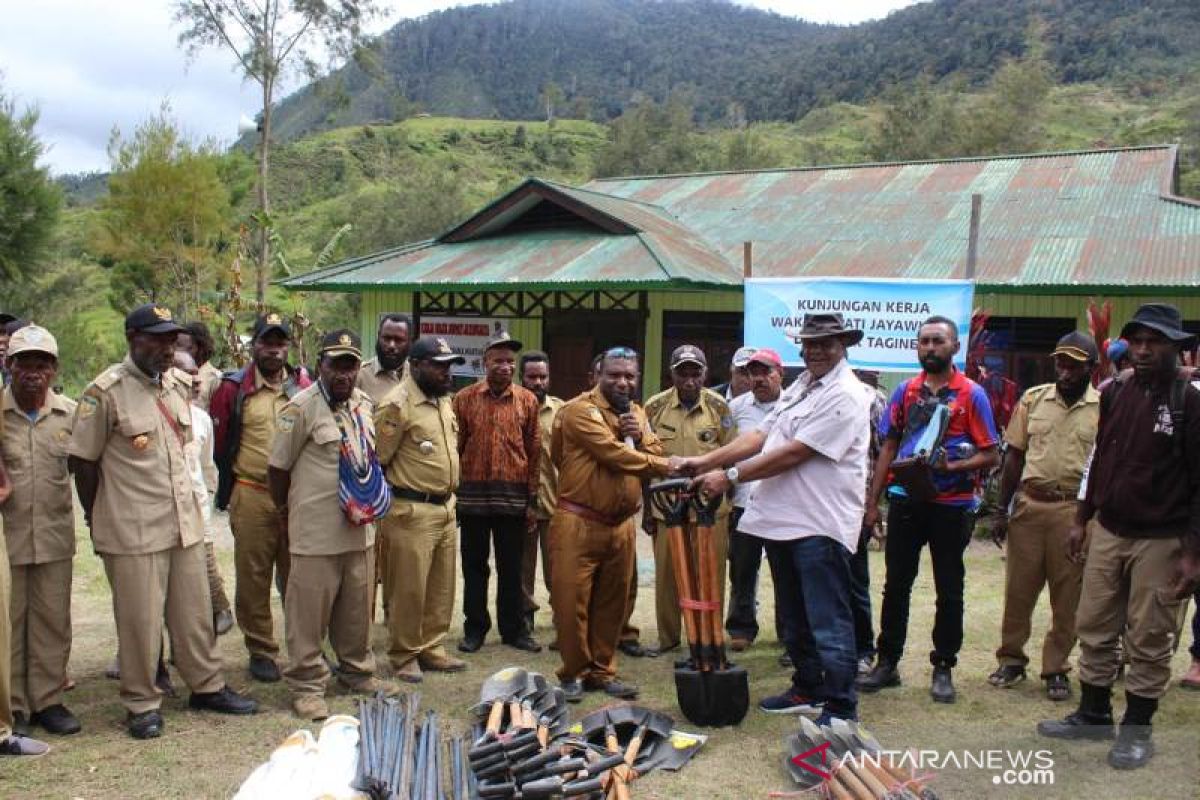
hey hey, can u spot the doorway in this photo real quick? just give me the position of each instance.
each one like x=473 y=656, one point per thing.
x=573 y=338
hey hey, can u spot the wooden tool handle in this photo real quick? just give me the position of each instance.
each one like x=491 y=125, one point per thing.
x=683 y=582
x=853 y=784
x=495 y=716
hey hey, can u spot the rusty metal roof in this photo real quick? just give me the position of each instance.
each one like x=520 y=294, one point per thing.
x=1050 y=222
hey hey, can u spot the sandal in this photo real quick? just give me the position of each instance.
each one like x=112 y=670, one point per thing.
x=1058 y=688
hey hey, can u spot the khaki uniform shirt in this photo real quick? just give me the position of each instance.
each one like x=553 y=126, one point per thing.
x=595 y=467
x=377 y=381
x=259 y=413
x=308 y=445
x=1056 y=439
x=210 y=379
x=39 y=519
x=418 y=440
x=705 y=427
x=144 y=503
x=547 y=497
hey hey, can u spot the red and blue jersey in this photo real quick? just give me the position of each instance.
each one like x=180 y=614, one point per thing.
x=971 y=423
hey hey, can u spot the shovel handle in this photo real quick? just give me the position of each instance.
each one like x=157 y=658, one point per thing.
x=853 y=781
x=683 y=581
x=671 y=498
x=495 y=717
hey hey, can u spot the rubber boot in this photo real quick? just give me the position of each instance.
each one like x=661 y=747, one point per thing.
x=1134 y=748
x=1092 y=720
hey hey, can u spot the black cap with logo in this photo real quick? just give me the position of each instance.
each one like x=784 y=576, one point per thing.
x=342 y=342
x=152 y=318
x=272 y=322
x=435 y=349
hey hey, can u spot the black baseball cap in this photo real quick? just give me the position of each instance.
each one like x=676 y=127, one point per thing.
x=435 y=349
x=342 y=342
x=1078 y=346
x=688 y=354
x=265 y=323
x=152 y=318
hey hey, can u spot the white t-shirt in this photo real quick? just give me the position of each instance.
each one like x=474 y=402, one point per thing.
x=823 y=496
x=201 y=468
x=748 y=414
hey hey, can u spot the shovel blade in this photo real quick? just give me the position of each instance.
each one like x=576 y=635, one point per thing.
x=714 y=699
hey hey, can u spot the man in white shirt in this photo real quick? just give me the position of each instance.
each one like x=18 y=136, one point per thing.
x=765 y=370
x=203 y=471
x=810 y=456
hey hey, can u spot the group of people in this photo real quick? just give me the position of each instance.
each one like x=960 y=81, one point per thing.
x=372 y=476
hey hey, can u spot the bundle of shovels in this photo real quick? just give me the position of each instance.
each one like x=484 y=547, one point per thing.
x=710 y=690
x=400 y=759
x=817 y=755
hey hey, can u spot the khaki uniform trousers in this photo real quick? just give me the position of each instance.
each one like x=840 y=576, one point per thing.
x=216 y=584
x=5 y=635
x=143 y=588
x=629 y=631
x=382 y=577
x=589 y=584
x=422 y=548
x=40 y=611
x=666 y=598
x=328 y=596
x=1127 y=584
x=1036 y=557
x=537 y=540
x=258 y=550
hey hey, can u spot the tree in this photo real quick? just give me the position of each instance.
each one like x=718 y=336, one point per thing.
x=29 y=201
x=549 y=98
x=164 y=222
x=267 y=38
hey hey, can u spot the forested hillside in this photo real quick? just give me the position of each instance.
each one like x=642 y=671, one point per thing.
x=595 y=58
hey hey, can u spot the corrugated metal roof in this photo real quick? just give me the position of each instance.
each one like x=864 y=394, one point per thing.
x=1062 y=220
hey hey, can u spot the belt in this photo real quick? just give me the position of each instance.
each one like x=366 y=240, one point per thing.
x=1043 y=496
x=590 y=514
x=262 y=487
x=421 y=497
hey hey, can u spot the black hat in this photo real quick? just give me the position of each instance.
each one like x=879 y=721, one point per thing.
x=266 y=323
x=688 y=354
x=435 y=349
x=152 y=318
x=503 y=339
x=6 y=317
x=1078 y=346
x=342 y=342
x=1162 y=317
x=820 y=326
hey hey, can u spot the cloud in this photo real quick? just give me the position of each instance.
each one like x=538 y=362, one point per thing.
x=90 y=65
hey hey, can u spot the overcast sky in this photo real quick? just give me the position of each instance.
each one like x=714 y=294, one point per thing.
x=91 y=64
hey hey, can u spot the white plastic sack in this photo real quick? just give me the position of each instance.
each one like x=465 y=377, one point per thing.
x=304 y=768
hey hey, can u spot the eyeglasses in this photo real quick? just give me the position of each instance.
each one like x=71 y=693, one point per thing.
x=620 y=352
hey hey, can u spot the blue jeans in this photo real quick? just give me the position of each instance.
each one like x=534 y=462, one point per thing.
x=860 y=597
x=812 y=576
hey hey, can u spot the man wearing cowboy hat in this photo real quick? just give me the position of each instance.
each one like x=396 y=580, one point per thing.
x=810 y=456
x=1139 y=526
x=946 y=520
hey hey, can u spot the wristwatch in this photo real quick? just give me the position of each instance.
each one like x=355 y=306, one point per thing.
x=731 y=475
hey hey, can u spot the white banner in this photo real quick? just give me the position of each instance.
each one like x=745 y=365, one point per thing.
x=466 y=336
x=888 y=312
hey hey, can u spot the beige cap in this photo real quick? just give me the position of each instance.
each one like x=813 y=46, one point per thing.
x=32 y=339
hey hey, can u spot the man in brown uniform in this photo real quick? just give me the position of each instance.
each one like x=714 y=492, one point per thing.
x=39 y=528
x=126 y=451
x=244 y=410
x=418 y=448
x=1049 y=439
x=690 y=421
x=592 y=532
x=376 y=378
x=535 y=376
x=332 y=559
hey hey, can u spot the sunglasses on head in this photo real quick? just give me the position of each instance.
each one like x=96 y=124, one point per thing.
x=620 y=352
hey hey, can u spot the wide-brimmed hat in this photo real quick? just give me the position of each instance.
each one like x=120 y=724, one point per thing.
x=822 y=326
x=1162 y=317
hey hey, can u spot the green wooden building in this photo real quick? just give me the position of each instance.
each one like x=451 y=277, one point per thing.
x=652 y=262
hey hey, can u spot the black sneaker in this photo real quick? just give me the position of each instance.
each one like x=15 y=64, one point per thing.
x=470 y=644
x=146 y=725
x=632 y=648
x=941 y=687
x=790 y=702
x=614 y=688
x=57 y=719
x=1133 y=748
x=222 y=701
x=572 y=690
x=884 y=674
x=1007 y=676
x=264 y=669
x=1078 y=725
x=526 y=643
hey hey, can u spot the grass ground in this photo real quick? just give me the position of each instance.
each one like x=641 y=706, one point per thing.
x=208 y=756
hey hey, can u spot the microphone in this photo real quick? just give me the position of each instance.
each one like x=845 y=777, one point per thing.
x=621 y=406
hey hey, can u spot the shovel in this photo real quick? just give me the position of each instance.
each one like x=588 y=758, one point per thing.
x=729 y=684
x=801 y=743
x=863 y=738
x=500 y=688
x=858 y=778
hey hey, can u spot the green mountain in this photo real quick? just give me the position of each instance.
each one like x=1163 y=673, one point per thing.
x=496 y=60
